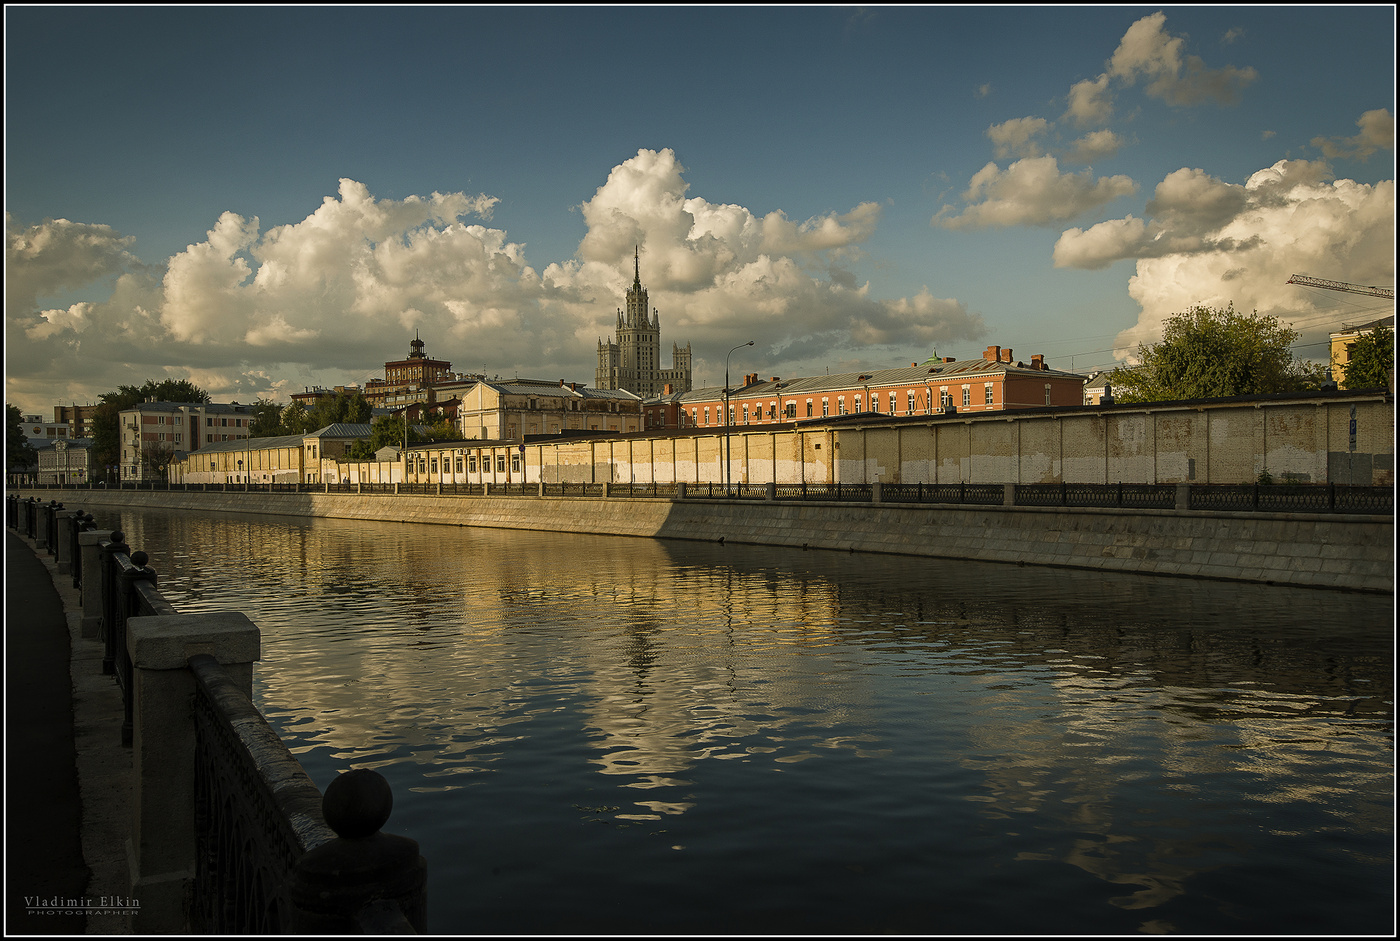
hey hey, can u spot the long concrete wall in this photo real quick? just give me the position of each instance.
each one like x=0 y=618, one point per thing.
x=1311 y=550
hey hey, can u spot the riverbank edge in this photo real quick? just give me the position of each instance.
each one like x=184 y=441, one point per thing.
x=1310 y=550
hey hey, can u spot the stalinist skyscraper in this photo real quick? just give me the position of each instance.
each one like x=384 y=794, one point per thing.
x=633 y=362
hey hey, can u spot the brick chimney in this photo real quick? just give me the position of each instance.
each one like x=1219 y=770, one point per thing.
x=1006 y=356
x=1038 y=361
x=993 y=354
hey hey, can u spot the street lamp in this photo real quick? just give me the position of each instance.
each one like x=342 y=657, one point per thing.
x=727 y=413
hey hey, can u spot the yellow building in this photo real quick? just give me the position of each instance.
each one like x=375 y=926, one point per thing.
x=1343 y=341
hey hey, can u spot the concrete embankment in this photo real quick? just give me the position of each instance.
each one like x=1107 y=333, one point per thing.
x=1303 y=549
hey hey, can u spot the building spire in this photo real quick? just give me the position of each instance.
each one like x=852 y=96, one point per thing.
x=637 y=260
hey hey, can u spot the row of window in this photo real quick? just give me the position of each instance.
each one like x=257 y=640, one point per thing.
x=911 y=406
x=467 y=464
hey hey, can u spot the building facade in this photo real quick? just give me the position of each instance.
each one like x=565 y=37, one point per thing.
x=413 y=380
x=994 y=382
x=155 y=434
x=510 y=410
x=67 y=461
x=632 y=361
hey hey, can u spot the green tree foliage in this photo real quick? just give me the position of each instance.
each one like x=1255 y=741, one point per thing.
x=19 y=453
x=106 y=433
x=1371 y=360
x=296 y=420
x=385 y=431
x=267 y=419
x=1208 y=352
x=342 y=407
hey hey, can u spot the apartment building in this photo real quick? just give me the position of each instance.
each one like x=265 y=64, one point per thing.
x=153 y=434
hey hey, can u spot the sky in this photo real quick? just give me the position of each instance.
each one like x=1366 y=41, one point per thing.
x=266 y=199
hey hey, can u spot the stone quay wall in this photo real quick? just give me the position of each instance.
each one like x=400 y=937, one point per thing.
x=1344 y=551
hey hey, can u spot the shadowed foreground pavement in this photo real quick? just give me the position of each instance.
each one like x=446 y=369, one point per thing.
x=43 y=810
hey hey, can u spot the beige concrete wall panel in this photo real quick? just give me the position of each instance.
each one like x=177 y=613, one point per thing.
x=1235 y=445
x=1039 y=447
x=993 y=452
x=1084 y=449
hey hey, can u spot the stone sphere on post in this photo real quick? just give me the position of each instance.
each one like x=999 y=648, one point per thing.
x=358 y=803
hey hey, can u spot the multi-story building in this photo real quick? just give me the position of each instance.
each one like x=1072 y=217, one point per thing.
x=511 y=409
x=153 y=434
x=78 y=418
x=633 y=361
x=996 y=381
x=413 y=380
x=40 y=432
x=285 y=459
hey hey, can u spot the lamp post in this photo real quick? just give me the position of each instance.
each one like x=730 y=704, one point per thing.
x=726 y=412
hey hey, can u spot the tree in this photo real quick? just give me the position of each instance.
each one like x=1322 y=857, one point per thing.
x=1208 y=352
x=267 y=419
x=342 y=407
x=1370 y=360
x=106 y=433
x=19 y=453
x=296 y=420
x=385 y=431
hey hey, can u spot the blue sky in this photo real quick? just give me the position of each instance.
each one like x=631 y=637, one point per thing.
x=262 y=199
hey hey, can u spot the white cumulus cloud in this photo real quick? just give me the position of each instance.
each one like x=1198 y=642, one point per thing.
x=1032 y=191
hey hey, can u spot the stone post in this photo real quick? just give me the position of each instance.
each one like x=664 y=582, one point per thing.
x=875 y=492
x=1183 y=496
x=90 y=545
x=680 y=491
x=161 y=853
x=64 y=536
x=1008 y=495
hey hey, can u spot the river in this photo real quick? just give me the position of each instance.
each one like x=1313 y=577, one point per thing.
x=599 y=735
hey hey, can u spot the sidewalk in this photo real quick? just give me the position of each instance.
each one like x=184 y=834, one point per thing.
x=67 y=775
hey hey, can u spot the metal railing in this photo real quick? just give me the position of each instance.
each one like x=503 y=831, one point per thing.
x=1298 y=498
x=273 y=855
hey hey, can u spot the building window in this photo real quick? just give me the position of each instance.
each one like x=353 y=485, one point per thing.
x=515 y=462
x=857 y=404
x=434 y=465
x=967 y=396
x=809 y=408
x=944 y=399
x=826 y=408
x=707 y=414
x=500 y=463
x=746 y=413
x=1047 y=393
x=988 y=394
x=459 y=463
x=792 y=409
x=471 y=463
x=909 y=408
x=841 y=405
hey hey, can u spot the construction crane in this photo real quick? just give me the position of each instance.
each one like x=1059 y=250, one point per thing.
x=1341 y=286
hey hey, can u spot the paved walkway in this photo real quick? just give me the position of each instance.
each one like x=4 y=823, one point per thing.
x=67 y=776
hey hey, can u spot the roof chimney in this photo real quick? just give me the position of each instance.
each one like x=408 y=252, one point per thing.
x=993 y=354
x=1006 y=355
x=1038 y=361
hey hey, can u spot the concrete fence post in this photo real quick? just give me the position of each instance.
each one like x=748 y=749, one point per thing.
x=1008 y=495
x=875 y=492
x=63 y=534
x=162 y=848
x=90 y=545
x=1183 y=496
x=680 y=491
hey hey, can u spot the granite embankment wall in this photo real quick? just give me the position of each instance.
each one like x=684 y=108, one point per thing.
x=1303 y=549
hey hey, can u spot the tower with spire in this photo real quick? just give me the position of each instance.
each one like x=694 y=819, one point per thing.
x=633 y=360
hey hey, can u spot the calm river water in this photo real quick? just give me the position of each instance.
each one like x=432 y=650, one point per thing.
x=617 y=736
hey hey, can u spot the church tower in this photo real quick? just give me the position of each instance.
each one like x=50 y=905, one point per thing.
x=633 y=360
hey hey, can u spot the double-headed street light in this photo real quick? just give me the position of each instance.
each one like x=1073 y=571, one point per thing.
x=727 y=414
